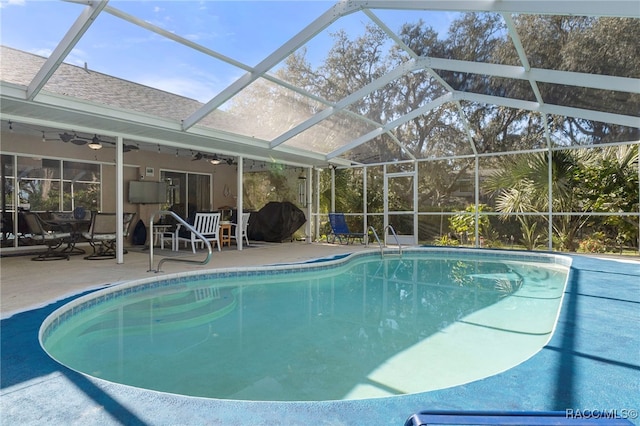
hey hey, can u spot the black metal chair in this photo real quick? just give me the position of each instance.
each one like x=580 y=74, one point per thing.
x=102 y=234
x=40 y=233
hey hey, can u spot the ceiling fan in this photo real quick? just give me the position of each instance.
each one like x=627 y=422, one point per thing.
x=213 y=159
x=95 y=142
x=74 y=138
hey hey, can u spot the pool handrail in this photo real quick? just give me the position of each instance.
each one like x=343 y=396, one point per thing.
x=172 y=259
x=393 y=231
x=375 y=234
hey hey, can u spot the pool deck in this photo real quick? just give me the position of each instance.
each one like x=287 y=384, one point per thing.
x=591 y=363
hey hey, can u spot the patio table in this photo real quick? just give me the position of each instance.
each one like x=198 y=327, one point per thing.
x=75 y=227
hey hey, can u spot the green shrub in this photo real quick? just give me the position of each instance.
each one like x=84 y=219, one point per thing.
x=596 y=243
x=445 y=240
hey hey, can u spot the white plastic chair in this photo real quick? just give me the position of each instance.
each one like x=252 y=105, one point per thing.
x=208 y=224
x=235 y=234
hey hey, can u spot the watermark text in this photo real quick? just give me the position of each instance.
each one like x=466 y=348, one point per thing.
x=613 y=413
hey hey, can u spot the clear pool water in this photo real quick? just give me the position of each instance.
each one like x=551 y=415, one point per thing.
x=354 y=328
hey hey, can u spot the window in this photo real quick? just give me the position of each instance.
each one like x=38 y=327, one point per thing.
x=43 y=185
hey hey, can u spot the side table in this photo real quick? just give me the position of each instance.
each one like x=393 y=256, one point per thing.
x=161 y=232
x=225 y=233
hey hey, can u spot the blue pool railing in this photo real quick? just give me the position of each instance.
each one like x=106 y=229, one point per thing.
x=519 y=418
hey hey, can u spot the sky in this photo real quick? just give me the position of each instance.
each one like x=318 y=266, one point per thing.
x=245 y=31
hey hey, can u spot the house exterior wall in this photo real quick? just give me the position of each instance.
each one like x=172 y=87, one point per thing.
x=223 y=176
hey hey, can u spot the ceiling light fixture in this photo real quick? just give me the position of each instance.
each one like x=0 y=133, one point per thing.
x=44 y=139
x=95 y=143
x=215 y=160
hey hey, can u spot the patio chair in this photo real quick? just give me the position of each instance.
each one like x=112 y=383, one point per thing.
x=208 y=224
x=239 y=233
x=340 y=229
x=8 y=235
x=40 y=233
x=102 y=234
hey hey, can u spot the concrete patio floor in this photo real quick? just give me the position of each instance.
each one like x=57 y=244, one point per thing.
x=23 y=280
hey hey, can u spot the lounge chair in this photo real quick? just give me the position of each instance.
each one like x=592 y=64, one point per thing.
x=40 y=233
x=102 y=234
x=208 y=224
x=340 y=229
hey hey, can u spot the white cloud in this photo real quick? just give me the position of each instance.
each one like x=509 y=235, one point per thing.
x=6 y=3
x=189 y=88
x=42 y=52
x=77 y=57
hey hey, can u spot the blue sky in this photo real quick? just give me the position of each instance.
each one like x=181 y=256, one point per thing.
x=246 y=31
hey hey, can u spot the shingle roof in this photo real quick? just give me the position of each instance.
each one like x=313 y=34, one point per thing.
x=21 y=67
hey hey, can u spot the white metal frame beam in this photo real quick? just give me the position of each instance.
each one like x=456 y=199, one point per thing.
x=293 y=44
x=615 y=8
x=606 y=117
x=612 y=8
x=205 y=50
x=517 y=42
x=214 y=54
x=507 y=71
x=379 y=131
x=623 y=120
x=431 y=72
x=569 y=78
x=345 y=102
x=68 y=42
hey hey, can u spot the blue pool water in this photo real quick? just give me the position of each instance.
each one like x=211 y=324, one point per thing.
x=352 y=328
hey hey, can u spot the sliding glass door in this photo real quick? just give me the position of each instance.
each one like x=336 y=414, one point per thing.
x=188 y=192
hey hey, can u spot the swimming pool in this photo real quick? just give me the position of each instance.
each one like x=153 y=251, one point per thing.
x=352 y=328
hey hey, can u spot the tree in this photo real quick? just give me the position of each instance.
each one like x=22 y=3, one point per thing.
x=582 y=44
x=609 y=183
x=522 y=186
x=464 y=224
x=600 y=180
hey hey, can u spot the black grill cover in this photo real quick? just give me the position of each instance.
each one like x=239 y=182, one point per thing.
x=275 y=222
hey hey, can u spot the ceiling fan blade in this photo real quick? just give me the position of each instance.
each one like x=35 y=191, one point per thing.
x=79 y=141
x=65 y=137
